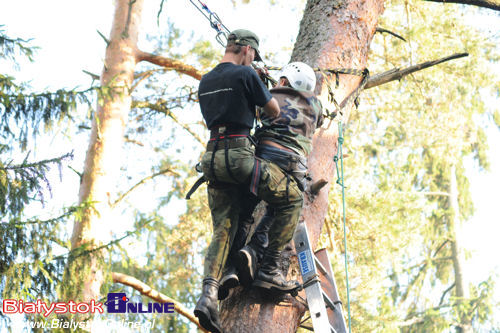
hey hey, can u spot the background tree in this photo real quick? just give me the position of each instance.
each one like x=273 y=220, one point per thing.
x=29 y=267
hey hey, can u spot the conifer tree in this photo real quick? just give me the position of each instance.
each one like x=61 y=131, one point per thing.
x=29 y=268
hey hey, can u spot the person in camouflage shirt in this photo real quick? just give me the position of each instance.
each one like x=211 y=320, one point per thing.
x=283 y=142
x=301 y=114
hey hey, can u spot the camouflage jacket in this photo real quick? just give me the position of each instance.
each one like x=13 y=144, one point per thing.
x=301 y=113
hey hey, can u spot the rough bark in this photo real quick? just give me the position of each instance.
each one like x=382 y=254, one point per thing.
x=102 y=162
x=169 y=63
x=458 y=258
x=332 y=34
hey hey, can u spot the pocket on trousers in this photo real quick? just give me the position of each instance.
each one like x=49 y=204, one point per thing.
x=240 y=164
x=241 y=161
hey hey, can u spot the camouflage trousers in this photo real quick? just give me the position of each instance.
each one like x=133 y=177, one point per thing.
x=231 y=203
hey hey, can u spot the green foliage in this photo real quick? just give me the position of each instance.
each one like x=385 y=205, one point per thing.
x=28 y=267
x=11 y=47
x=206 y=54
x=30 y=264
x=496 y=118
x=23 y=113
x=18 y=182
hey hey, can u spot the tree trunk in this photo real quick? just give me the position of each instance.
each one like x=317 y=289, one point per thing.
x=332 y=34
x=102 y=162
x=461 y=285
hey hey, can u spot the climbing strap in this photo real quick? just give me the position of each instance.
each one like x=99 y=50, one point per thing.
x=352 y=97
x=223 y=33
x=340 y=181
x=223 y=133
x=195 y=186
x=214 y=20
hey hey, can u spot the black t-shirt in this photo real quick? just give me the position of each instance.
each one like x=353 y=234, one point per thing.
x=228 y=95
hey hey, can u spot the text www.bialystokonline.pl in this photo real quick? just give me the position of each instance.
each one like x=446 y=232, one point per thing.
x=92 y=324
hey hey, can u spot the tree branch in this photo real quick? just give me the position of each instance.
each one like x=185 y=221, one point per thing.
x=445 y=292
x=159 y=108
x=491 y=4
x=142 y=181
x=169 y=63
x=94 y=77
x=129 y=140
x=146 y=290
x=398 y=74
x=410 y=322
x=103 y=37
x=382 y=30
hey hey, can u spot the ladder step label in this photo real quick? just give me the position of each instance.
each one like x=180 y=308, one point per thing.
x=306 y=263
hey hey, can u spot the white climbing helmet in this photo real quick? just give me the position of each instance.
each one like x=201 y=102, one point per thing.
x=300 y=75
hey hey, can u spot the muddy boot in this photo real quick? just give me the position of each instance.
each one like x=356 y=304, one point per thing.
x=207 y=308
x=229 y=280
x=247 y=265
x=270 y=277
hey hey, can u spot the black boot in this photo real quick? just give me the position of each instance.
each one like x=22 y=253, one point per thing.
x=270 y=277
x=247 y=265
x=229 y=280
x=207 y=308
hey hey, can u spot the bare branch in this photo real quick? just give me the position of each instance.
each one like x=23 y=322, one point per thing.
x=169 y=63
x=410 y=322
x=140 y=79
x=160 y=108
x=142 y=181
x=317 y=186
x=398 y=74
x=445 y=292
x=382 y=30
x=446 y=194
x=129 y=140
x=103 y=37
x=491 y=4
x=92 y=75
x=146 y=290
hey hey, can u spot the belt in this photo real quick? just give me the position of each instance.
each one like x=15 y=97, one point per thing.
x=226 y=130
x=230 y=143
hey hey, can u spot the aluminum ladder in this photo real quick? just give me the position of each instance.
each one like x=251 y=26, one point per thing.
x=323 y=301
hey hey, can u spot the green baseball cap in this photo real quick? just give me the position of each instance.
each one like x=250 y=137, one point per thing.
x=245 y=37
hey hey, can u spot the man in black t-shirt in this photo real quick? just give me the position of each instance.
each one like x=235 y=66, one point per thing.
x=228 y=98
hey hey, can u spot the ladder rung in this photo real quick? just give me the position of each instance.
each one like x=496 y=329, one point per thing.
x=328 y=301
x=304 y=320
x=311 y=281
x=309 y=328
x=320 y=266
